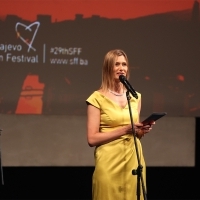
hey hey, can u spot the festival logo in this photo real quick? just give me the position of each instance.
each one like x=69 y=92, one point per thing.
x=27 y=33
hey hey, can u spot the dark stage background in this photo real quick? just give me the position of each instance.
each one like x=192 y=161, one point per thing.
x=51 y=53
x=49 y=64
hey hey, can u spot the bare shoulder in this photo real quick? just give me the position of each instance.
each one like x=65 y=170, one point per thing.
x=100 y=91
x=104 y=93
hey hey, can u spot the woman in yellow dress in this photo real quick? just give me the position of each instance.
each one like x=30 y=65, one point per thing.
x=109 y=129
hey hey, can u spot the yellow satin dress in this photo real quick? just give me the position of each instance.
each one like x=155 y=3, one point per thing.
x=115 y=161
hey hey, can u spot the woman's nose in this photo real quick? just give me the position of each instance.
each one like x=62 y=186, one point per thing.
x=121 y=67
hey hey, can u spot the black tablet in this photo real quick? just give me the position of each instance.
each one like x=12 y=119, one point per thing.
x=153 y=117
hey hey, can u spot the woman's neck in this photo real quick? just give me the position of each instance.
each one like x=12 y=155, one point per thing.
x=117 y=90
x=117 y=87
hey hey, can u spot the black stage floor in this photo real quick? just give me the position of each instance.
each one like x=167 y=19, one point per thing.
x=163 y=183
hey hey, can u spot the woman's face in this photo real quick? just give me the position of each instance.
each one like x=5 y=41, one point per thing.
x=120 y=67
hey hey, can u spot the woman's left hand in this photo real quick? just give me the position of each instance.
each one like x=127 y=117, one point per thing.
x=142 y=130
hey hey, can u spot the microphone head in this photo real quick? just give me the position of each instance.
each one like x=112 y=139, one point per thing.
x=122 y=78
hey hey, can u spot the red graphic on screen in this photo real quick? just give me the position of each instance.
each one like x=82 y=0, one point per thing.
x=161 y=37
x=30 y=101
x=180 y=77
x=61 y=10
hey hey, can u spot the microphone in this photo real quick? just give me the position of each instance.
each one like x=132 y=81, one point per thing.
x=128 y=86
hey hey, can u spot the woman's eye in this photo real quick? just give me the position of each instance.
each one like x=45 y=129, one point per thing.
x=118 y=64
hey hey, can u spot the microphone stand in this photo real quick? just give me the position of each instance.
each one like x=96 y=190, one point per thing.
x=137 y=171
x=2 y=182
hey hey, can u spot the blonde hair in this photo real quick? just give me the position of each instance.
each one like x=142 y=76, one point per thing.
x=108 y=65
